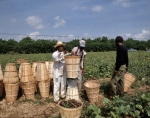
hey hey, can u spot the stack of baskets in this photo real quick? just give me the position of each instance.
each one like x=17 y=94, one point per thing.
x=11 y=82
x=43 y=80
x=72 y=68
x=27 y=80
x=1 y=82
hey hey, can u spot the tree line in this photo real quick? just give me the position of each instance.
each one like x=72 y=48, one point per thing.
x=27 y=45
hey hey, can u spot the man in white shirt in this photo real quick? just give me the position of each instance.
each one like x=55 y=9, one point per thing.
x=59 y=72
x=79 y=51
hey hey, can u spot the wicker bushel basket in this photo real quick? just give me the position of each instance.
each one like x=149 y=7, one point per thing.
x=41 y=72
x=70 y=112
x=128 y=80
x=72 y=93
x=1 y=88
x=72 y=66
x=29 y=89
x=10 y=67
x=11 y=92
x=92 y=90
x=44 y=87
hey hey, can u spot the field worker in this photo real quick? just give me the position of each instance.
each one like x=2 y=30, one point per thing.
x=79 y=51
x=117 y=81
x=59 y=72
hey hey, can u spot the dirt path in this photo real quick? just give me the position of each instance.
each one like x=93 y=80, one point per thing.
x=24 y=108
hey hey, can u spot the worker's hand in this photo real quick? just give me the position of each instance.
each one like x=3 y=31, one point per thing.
x=82 y=71
x=59 y=54
x=72 y=53
x=65 y=52
x=115 y=71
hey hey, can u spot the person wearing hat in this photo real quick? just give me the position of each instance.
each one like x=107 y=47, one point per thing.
x=79 y=51
x=59 y=72
x=117 y=81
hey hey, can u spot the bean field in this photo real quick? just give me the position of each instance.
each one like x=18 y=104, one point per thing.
x=98 y=65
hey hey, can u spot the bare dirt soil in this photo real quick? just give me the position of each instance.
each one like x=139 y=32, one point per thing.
x=24 y=108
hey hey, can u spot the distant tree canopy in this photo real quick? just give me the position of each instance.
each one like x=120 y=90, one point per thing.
x=28 y=45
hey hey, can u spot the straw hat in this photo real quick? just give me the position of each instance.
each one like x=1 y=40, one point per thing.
x=59 y=43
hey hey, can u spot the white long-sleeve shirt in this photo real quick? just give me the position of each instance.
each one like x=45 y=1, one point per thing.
x=59 y=63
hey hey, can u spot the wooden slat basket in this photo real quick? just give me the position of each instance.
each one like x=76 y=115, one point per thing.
x=92 y=90
x=72 y=66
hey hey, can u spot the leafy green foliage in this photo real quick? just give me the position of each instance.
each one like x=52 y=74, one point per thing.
x=105 y=70
x=27 y=45
x=94 y=111
x=138 y=106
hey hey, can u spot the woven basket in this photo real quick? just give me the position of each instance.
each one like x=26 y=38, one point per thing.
x=128 y=81
x=70 y=112
x=25 y=73
x=44 y=87
x=19 y=61
x=92 y=90
x=72 y=93
x=29 y=89
x=72 y=66
x=11 y=92
x=41 y=73
x=1 y=88
x=10 y=67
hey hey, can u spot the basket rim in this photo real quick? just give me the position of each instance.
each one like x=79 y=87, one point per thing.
x=72 y=56
x=93 y=82
x=10 y=64
x=70 y=108
x=131 y=75
x=25 y=63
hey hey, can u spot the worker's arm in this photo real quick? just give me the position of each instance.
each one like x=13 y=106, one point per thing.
x=58 y=57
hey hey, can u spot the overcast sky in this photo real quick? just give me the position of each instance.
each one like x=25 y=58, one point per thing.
x=69 y=19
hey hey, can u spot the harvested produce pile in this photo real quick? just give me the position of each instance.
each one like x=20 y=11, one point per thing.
x=70 y=104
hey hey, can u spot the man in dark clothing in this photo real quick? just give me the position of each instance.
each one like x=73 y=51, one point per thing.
x=117 y=81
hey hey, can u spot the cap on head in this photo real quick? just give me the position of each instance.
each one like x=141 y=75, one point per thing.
x=82 y=43
x=59 y=43
x=119 y=39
